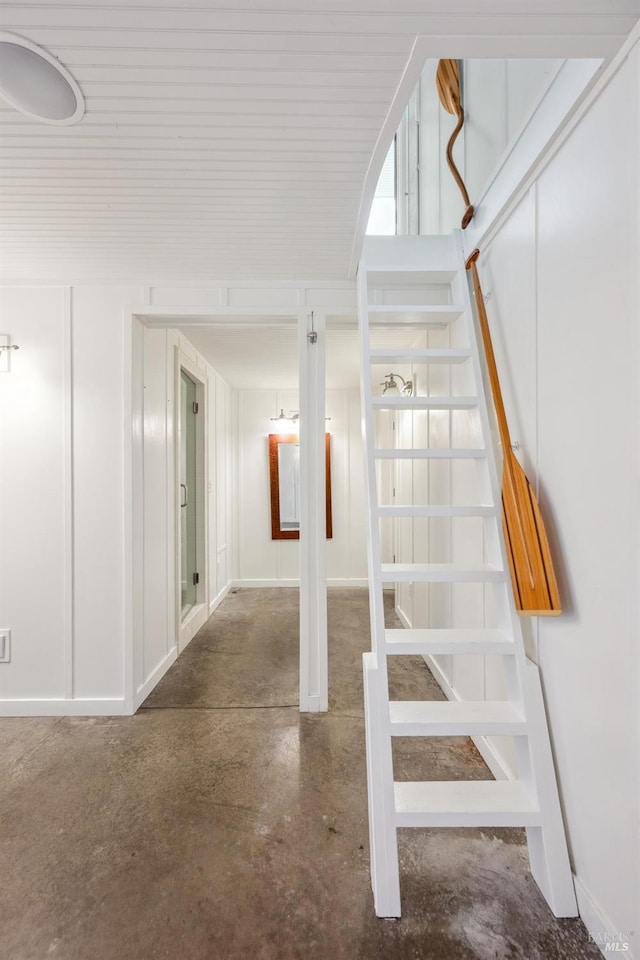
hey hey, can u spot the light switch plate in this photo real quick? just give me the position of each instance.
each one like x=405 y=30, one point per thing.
x=5 y=646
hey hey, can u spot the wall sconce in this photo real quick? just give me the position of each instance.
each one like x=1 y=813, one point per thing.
x=284 y=424
x=5 y=353
x=390 y=382
x=281 y=416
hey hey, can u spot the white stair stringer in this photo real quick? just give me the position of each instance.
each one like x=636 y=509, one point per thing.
x=531 y=801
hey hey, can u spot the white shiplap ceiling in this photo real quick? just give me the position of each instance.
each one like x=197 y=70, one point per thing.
x=267 y=359
x=229 y=140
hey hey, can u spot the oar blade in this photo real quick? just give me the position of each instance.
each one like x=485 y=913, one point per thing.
x=448 y=85
x=534 y=581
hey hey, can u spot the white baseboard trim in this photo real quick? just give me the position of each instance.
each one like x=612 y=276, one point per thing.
x=601 y=930
x=155 y=677
x=491 y=757
x=218 y=600
x=78 y=707
x=187 y=630
x=355 y=582
x=253 y=584
x=331 y=582
x=403 y=618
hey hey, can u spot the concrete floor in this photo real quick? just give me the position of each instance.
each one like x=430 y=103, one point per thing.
x=220 y=824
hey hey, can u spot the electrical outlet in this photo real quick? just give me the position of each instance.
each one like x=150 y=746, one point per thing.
x=5 y=646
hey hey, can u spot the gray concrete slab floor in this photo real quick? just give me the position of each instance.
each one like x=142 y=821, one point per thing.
x=221 y=824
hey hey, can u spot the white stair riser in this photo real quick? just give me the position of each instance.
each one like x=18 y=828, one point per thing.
x=425 y=403
x=419 y=573
x=435 y=453
x=423 y=648
x=436 y=511
x=380 y=357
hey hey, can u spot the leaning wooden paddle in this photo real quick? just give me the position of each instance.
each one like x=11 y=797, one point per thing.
x=449 y=93
x=534 y=583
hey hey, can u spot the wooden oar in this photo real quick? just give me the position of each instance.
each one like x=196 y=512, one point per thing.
x=448 y=87
x=534 y=582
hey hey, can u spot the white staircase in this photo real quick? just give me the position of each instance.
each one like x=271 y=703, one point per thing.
x=397 y=278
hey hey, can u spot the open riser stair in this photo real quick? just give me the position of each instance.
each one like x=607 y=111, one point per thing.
x=435 y=537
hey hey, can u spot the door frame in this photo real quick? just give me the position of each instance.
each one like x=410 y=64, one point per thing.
x=197 y=616
x=313 y=658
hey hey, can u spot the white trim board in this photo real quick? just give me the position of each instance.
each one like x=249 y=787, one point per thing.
x=215 y=603
x=597 y=924
x=69 y=530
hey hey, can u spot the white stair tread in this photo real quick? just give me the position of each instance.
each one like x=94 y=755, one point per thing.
x=460 y=803
x=442 y=718
x=419 y=356
x=435 y=510
x=425 y=403
x=430 y=453
x=439 y=573
x=445 y=641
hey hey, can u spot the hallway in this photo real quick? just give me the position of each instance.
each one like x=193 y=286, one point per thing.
x=220 y=824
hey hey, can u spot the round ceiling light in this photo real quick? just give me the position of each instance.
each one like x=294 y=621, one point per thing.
x=37 y=84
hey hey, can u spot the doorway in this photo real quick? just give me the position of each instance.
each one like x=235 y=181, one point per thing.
x=189 y=574
x=165 y=615
x=191 y=507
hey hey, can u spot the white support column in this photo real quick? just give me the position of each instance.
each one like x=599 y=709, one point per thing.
x=314 y=696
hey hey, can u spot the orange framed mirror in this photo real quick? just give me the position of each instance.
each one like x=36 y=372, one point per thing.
x=284 y=484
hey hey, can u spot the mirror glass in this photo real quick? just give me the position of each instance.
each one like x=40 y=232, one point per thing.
x=289 y=485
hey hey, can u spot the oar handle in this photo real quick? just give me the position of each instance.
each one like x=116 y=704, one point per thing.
x=469 y=212
x=488 y=349
x=450 y=96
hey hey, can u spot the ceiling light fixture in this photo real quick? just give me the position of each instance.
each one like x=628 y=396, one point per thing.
x=35 y=82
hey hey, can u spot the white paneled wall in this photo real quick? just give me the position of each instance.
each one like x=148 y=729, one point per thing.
x=563 y=277
x=36 y=548
x=261 y=560
x=62 y=581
